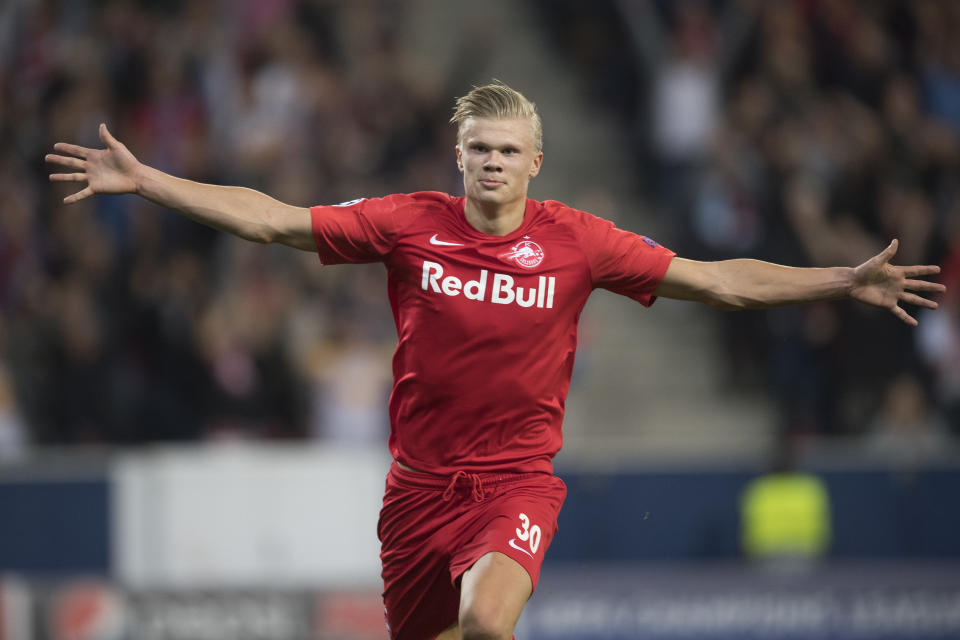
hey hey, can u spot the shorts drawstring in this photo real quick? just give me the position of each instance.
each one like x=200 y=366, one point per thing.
x=478 y=493
x=448 y=493
x=477 y=489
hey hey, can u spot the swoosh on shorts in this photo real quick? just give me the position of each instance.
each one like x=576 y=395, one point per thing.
x=513 y=544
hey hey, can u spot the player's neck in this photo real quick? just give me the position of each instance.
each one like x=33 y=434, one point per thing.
x=495 y=219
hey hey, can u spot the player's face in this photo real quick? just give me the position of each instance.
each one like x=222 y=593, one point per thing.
x=497 y=159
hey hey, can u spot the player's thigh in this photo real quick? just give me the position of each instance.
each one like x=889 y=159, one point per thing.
x=492 y=595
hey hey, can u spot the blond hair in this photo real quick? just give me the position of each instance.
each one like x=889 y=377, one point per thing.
x=499 y=102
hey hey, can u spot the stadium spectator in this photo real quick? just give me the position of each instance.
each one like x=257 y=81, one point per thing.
x=908 y=430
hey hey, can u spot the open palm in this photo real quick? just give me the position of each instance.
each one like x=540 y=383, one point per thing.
x=110 y=170
x=879 y=283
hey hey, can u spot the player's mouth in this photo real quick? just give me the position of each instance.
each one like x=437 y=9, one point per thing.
x=491 y=184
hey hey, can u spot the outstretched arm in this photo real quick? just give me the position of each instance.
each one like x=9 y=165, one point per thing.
x=243 y=212
x=754 y=284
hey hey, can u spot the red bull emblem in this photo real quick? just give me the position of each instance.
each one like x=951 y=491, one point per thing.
x=526 y=253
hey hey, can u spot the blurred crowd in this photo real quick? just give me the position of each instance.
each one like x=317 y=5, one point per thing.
x=810 y=133
x=804 y=132
x=123 y=323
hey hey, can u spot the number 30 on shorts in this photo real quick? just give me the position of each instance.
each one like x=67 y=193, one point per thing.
x=527 y=532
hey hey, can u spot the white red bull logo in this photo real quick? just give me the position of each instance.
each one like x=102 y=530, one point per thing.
x=526 y=253
x=502 y=287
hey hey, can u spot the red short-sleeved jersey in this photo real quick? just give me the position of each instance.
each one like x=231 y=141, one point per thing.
x=487 y=325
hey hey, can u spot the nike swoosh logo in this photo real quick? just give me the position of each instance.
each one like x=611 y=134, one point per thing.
x=441 y=243
x=513 y=544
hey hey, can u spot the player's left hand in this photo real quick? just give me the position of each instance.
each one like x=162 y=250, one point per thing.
x=882 y=284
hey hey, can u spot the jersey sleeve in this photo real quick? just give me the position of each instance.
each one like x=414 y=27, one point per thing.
x=362 y=230
x=623 y=262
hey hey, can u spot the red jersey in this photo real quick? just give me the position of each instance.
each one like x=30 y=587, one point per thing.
x=486 y=325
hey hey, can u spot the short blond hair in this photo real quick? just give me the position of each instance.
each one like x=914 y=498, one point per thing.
x=499 y=102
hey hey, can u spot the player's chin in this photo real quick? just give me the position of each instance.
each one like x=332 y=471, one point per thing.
x=484 y=195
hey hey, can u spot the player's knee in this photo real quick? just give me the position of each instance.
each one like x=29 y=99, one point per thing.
x=485 y=622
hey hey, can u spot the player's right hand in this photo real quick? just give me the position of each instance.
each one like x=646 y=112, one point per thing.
x=110 y=170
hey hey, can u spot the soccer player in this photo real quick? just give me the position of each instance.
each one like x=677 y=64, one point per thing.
x=486 y=292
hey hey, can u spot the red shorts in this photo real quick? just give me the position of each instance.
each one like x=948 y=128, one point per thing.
x=433 y=528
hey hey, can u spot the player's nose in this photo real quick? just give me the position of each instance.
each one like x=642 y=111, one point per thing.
x=493 y=162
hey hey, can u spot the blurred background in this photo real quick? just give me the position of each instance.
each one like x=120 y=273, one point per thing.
x=193 y=428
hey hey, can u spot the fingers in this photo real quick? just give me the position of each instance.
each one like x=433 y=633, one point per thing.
x=65 y=147
x=73 y=163
x=921 y=270
x=106 y=137
x=68 y=177
x=914 y=299
x=924 y=285
x=80 y=195
x=903 y=315
x=891 y=250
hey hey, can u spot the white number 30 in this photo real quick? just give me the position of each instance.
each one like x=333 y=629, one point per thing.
x=529 y=533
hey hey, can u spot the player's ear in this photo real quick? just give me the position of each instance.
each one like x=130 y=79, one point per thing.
x=459 y=157
x=537 y=161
